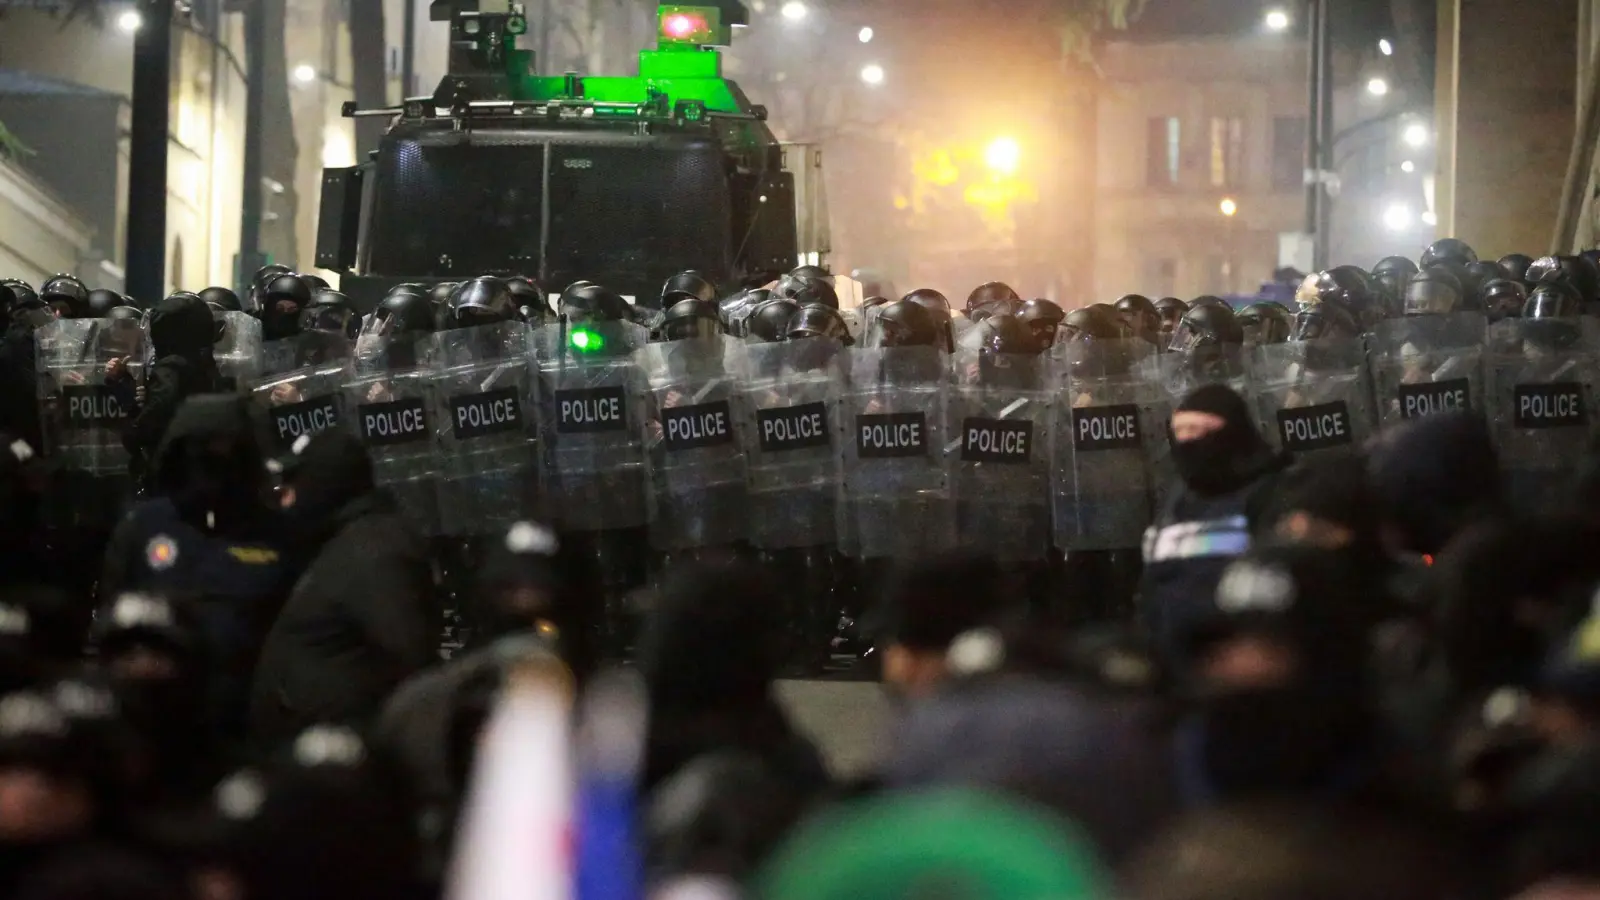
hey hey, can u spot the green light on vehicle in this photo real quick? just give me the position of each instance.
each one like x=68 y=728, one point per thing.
x=586 y=341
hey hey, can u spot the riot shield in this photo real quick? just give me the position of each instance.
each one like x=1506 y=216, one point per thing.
x=80 y=417
x=387 y=408
x=302 y=401
x=999 y=455
x=591 y=396
x=1108 y=441
x=238 y=350
x=692 y=436
x=1541 y=380
x=1184 y=371
x=792 y=395
x=483 y=408
x=896 y=474
x=1313 y=398
x=1423 y=365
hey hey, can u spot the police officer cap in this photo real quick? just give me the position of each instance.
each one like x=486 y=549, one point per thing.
x=817 y=272
x=1326 y=320
x=906 y=323
x=101 y=301
x=685 y=285
x=1448 y=250
x=288 y=286
x=482 y=301
x=819 y=322
x=1266 y=322
x=330 y=311
x=221 y=299
x=992 y=294
x=1553 y=300
x=691 y=318
x=770 y=321
x=1207 y=324
x=404 y=312
x=1097 y=322
x=1043 y=318
x=1503 y=298
x=67 y=294
x=1000 y=333
x=585 y=301
x=1432 y=291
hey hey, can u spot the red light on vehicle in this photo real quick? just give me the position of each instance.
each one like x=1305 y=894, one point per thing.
x=681 y=26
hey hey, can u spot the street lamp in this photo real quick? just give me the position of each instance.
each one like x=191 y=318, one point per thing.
x=794 y=10
x=866 y=35
x=1277 y=20
x=872 y=74
x=305 y=73
x=1397 y=217
x=129 y=21
x=1229 y=207
x=1377 y=87
x=1003 y=156
x=1408 y=167
x=1415 y=135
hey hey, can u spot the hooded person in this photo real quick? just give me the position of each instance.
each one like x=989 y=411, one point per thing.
x=362 y=617
x=1226 y=472
x=182 y=332
x=1436 y=476
x=709 y=667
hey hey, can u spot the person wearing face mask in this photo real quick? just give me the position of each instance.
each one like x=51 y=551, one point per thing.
x=207 y=537
x=362 y=618
x=1225 y=473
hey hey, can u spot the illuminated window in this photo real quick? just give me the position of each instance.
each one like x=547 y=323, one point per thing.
x=1227 y=152
x=1165 y=159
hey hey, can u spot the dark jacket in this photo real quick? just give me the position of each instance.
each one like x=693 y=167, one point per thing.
x=182 y=332
x=359 y=622
x=19 y=398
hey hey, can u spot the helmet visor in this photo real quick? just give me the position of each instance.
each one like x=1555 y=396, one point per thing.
x=1431 y=298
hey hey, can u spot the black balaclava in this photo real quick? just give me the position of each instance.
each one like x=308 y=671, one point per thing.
x=328 y=472
x=210 y=462
x=182 y=325
x=1226 y=459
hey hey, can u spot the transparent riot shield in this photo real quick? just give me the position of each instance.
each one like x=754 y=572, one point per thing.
x=385 y=403
x=896 y=474
x=999 y=454
x=1108 y=441
x=591 y=396
x=792 y=395
x=1541 y=383
x=81 y=418
x=1423 y=365
x=1313 y=398
x=693 y=439
x=1183 y=372
x=483 y=414
x=238 y=350
x=305 y=400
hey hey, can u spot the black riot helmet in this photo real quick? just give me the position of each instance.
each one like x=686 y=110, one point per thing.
x=1097 y=322
x=1552 y=300
x=817 y=272
x=735 y=309
x=1266 y=323
x=692 y=318
x=1389 y=277
x=685 y=285
x=67 y=296
x=281 y=302
x=267 y=273
x=288 y=287
x=22 y=304
x=404 y=311
x=585 y=302
x=102 y=301
x=930 y=299
x=532 y=305
x=1349 y=285
x=1328 y=319
x=1000 y=335
x=1207 y=325
x=769 y=322
x=1448 y=250
x=1503 y=298
x=221 y=299
x=819 y=321
x=904 y=323
x=1207 y=300
x=1577 y=272
x=1141 y=313
x=812 y=292
x=1432 y=292
x=1515 y=265
x=330 y=312
x=482 y=301
x=993 y=294
x=1481 y=273
x=1043 y=318
x=1171 y=310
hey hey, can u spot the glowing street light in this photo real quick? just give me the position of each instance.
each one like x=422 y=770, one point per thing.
x=1385 y=47
x=1377 y=87
x=1229 y=207
x=1397 y=217
x=1004 y=156
x=1415 y=135
x=872 y=74
x=1408 y=167
x=305 y=73
x=866 y=35
x=794 y=10
x=1277 y=20
x=130 y=21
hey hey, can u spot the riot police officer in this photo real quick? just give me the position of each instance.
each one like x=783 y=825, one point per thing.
x=67 y=296
x=811 y=292
x=1431 y=359
x=101 y=301
x=282 y=299
x=1206 y=348
x=1313 y=393
x=939 y=305
x=1142 y=314
x=769 y=322
x=439 y=295
x=1577 y=272
x=258 y=285
x=532 y=305
x=995 y=296
x=685 y=286
x=735 y=309
x=1516 y=265
x=1390 y=276
x=1502 y=298
x=221 y=300
x=1352 y=287
x=1043 y=318
x=1448 y=250
x=1171 y=310
x=304 y=371
x=182 y=335
x=1265 y=322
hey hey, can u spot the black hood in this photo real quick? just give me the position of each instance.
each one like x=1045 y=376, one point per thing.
x=1230 y=457
x=201 y=479
x=182 y=325
x=329 y=473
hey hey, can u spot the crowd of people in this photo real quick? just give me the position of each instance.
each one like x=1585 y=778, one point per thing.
x=1356 y=656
